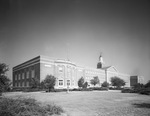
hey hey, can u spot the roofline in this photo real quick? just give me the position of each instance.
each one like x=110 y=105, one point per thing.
x=27 y=62
x=105 y=68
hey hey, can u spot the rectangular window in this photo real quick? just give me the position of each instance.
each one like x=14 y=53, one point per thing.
x=69 y=72
x=22 y=84
x=22 y=75
x=68 y=82
x=72 y=82
x=27 y=84
x=27 y=76
x=60 y=82
x=32 y=73
x=60 y=69
x=15 y=84
x=18 y=76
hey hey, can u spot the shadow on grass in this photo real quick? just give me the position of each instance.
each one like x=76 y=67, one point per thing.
x=141 y=105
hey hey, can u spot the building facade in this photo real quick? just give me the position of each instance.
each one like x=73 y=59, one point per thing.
x=135 y=80
x=66 y=72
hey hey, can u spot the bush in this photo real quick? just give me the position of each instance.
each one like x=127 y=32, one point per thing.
x=86 y=89
x=85 y=85
x=105 y=84
x=81 y=82
x=49 y=82
x=57 y=90
x=81 y=89
x=95 y=81
x=99 y=88
x=117 y=82
x=26 y=107
x=147 y=85
x=145 y=91
x=127 y=90
x=75 y=89
x=31 y=89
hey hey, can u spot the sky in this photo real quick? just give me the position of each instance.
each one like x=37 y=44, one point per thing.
x=79 y=30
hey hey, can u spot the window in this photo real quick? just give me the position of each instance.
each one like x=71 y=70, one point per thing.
x=60 y=82
x=18 y=84
x=60 y=69
x=27 y=84
x=32 y=73
x=15 y=84
x=18 y=76
x=27 y=74
x=22 y=75
x=69 y=72
x=72 y=82
x=68 y=82
x=22 y=84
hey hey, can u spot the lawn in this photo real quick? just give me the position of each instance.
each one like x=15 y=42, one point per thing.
x=94 y=103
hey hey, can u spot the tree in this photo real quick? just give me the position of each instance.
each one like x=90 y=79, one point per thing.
x=81 y=82
x=105 y=84
x=49 y=82
x=4 y=80
x=85 y=85
x=147 y=85
x=95 y=81
x=117 y=82
x=34 y=83
x=138 y=86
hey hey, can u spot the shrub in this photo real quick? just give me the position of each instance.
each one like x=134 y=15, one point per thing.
x=34 y=83
x=31 y=89
x=85 y=85
x=145 y=91
x=49 y=82
x=99 y=88
x=81 y=82
x=147 y=85
x=86 y=89
x=75 y=89
x=105 y=84
x=127 y=90
x=26 y=107
x=82 y=89
x=5 y=83
x=117 y=82
x=56 y=90
x=95 y=81
x=138 y=86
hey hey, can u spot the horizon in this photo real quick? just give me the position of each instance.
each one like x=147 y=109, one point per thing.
x=78 y=30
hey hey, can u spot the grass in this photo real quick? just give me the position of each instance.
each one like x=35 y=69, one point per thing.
x=93 y=103
x=26 y=107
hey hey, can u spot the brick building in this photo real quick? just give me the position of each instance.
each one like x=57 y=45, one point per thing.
x=66 y=72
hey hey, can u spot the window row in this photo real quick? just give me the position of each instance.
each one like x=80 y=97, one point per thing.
x=23 y=76
x=61 y=82
x=98 y=73
x=21 y=84
x=69 y=70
